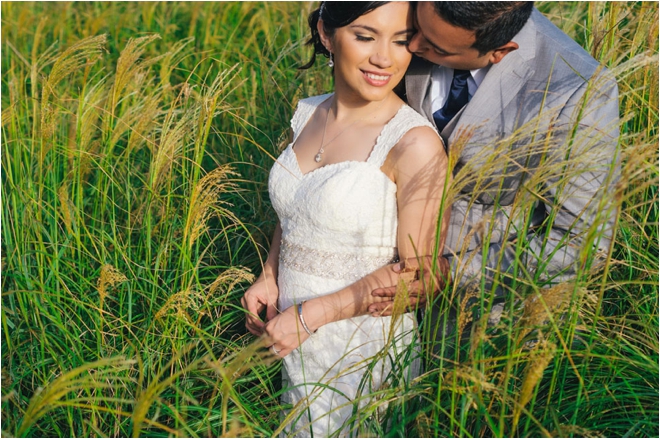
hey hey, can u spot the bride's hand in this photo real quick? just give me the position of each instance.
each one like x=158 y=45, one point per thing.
x=261 y=295
x=285 y=332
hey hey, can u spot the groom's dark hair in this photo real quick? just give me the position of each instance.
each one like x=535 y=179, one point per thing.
x=494 y=23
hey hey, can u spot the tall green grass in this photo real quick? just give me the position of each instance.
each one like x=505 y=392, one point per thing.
x=136 y=144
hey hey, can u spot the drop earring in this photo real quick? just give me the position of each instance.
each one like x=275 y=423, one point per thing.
x=331 y=63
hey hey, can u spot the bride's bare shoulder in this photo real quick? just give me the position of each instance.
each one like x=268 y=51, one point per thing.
x=422 y=141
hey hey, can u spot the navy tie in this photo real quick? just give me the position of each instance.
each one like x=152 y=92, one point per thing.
x=458 y=97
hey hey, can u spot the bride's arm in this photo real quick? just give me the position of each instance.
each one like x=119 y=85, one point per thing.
x=264 y=292
x=418 y=165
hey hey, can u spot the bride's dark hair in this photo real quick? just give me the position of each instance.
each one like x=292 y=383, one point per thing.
x=334 y=15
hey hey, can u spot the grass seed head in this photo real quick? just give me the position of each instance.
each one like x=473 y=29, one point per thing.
x=229 y=278
x=128 y=65
x=169 y=147
x=205 y=202
x=74 y=59
x=538 y=361
x=546 y=305
x=66 y=208
x=180 y=303
x=109 y=277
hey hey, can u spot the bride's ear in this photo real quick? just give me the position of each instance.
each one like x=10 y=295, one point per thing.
x=325 y=39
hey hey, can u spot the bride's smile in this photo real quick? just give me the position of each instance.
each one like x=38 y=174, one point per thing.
x=377 y=80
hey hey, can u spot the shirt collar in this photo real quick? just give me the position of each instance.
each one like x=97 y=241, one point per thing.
x=479 y=74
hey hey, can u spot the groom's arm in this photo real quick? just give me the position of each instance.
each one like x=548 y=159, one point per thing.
x=579 y=203
x=581 y=200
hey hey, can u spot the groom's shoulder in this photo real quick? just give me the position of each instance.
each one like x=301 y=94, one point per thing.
x=552 y=42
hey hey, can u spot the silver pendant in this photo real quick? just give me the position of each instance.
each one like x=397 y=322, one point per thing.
x=317 y=157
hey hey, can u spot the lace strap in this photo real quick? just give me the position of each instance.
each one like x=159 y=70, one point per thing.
x=304 y=111
x=402 y=122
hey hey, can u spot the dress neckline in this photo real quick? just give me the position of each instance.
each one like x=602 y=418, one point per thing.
x=371 y=153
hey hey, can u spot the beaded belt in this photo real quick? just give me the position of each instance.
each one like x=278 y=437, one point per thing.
x=329 y=264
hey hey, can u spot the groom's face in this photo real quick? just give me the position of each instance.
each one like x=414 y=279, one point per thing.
x=444 y=44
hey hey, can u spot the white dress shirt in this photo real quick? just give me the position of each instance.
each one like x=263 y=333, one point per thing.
x=441 y=78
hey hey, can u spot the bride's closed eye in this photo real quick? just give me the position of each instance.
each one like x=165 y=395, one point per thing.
x=367 y=39
x=363 y=38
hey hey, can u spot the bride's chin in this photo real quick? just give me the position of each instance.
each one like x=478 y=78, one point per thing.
x=375 y=95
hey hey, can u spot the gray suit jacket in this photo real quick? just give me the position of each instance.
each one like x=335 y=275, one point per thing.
x=535 y=162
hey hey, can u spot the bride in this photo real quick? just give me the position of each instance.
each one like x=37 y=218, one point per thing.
x=360 y=185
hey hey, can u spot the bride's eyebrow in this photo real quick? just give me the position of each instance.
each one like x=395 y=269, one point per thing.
x=375 y=31
x=365 y=27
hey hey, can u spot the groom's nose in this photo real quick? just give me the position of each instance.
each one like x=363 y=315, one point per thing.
x=416 y=44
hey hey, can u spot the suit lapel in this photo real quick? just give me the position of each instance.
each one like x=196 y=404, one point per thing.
x=418 y=80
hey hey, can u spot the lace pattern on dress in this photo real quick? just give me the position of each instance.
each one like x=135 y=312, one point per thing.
x=329 y=265
x=304 y=110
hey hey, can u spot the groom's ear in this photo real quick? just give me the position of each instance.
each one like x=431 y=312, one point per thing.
x=498 y=54
x=325 y=39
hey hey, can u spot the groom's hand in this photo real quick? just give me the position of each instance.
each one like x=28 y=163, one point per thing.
x=418 y=289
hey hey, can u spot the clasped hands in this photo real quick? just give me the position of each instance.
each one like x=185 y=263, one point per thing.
x=422 y=283
x=284 y=332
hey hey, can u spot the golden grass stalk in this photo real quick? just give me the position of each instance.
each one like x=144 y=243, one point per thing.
x=96 y=375
x=137 y=117
x=87 y=119
x=474 y=380
x=169 y=147
x=147 y=396
x=142 y=120
x=7 y=115
x=80 y=54
x=205 y=202
x=229 y=278
x=402 y=298
x=533 y=171
x=222 y=286
x=171 y=59
x=539 y=358
x=128 y=67
x=66 y=208
x=222 y=86
x=131 y=78
x=545 y=306
x=180 y=303
x=575 y=431
x=465 y=316
x=109 y=277
x=230 y=368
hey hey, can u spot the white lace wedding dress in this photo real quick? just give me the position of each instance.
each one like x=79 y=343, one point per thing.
x=339 y=223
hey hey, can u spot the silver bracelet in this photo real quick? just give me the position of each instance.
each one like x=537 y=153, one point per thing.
x=302 y=320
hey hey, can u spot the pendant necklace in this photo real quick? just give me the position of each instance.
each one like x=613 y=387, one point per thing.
x=319 y=154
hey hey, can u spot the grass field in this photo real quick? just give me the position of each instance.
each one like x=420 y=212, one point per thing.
x=136 y=144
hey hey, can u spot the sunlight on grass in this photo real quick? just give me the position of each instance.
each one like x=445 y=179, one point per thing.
x=137 y=139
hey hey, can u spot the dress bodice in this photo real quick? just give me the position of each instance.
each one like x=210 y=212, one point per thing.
x=348 y=209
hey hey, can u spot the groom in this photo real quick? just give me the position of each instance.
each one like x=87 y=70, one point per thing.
x=531 y=121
